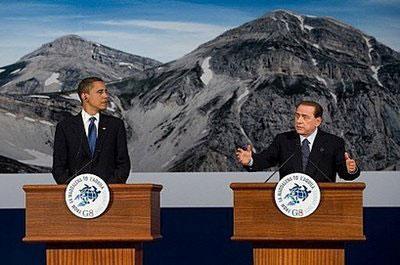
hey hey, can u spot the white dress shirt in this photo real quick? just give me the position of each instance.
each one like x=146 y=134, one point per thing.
x=310 y=138
x=86 y=122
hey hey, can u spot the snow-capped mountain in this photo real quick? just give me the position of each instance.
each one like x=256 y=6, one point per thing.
x=241 y=87
x=58 y=66
x=38 y=91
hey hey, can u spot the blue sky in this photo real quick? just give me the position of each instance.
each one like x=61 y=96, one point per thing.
x=166 y=30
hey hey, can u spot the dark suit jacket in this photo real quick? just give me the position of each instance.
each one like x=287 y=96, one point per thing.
x=327 y=154
x=72 y=157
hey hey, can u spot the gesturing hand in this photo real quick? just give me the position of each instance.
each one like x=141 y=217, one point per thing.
x=350 y=163
x=243 y=156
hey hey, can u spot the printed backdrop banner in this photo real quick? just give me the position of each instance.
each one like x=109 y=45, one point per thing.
x=192 y=81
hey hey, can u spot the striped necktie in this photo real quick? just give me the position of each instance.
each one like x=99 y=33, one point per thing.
x=92 y=135
x=305 y=151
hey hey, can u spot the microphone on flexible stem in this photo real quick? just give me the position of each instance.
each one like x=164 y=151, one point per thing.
x=319 y=170
x=83 y=167
x=281 y=166
x=80 y=147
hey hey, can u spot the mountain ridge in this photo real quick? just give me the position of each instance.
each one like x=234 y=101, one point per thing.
x=241 y=87
x=58 y=65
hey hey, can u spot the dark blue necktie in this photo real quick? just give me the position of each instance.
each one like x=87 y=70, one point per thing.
x=92 y=135
x=305 y=151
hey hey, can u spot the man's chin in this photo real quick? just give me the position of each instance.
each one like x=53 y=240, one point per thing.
x=103 y=108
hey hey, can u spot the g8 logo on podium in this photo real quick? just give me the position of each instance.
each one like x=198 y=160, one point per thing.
x=297 y=195
x=87 y=196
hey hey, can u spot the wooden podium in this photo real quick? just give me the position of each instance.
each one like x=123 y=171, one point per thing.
x=114 y=238
x=314 y=240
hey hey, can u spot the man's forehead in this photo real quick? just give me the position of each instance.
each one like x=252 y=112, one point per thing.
x=98 y=85
x=304 y=109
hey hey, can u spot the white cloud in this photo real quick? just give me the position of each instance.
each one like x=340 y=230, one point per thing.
x=166 y=25
x=162 y=47
x=49 y=18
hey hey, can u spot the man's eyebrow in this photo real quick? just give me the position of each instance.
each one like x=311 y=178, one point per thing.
x=301 y=114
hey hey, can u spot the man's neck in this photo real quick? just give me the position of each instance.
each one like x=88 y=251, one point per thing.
x=89 y=110
x=308 y=135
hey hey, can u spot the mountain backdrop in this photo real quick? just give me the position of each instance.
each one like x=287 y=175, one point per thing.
x=190 y=114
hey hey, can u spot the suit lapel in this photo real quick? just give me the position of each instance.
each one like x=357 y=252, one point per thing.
x=316 y=154
x=79 y=130
x=102 y=132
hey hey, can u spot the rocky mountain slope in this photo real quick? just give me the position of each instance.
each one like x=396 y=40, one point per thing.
x=38 y=91
x=241 y=87
x=58 y=66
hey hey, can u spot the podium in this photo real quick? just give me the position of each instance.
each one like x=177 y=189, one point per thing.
x=317 y=239
x=114 y=238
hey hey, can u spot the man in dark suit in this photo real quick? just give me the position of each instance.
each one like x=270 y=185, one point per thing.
x=307 y=149
x=91 y=142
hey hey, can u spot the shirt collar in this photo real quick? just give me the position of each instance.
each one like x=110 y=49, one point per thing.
x=310 y=138
x=86 y=116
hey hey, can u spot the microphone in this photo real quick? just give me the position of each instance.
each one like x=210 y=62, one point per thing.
x=80 y=147
x=83 y=167
x=283 y=164
x=319 y=170
x=121 y=180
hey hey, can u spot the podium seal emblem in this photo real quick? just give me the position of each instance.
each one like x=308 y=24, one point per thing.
x=297 y=195
x=87 y=196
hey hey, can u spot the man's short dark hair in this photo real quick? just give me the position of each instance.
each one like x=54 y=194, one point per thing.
x=86 y=84
x=318 y=110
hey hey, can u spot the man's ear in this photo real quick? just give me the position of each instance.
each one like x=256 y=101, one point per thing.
x=319 y=121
